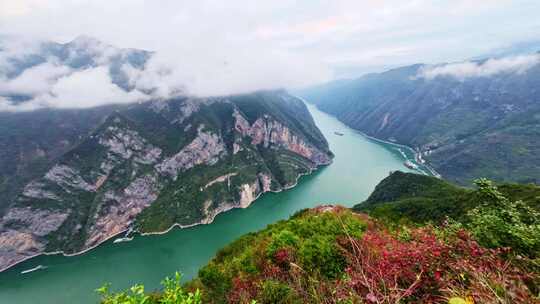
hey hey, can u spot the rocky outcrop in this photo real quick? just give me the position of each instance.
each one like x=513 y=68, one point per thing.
x=120 y=210
x=266 y=131
x=250 y=192
x=36 y=190
x=206 y=149
x=128 y=143
x=220 y=179
x=67 y=178
x=22 y=232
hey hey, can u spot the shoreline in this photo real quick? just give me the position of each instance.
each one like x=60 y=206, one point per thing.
x=417 y=155
x=62 y=252
x=212 y=218
x=175 y=225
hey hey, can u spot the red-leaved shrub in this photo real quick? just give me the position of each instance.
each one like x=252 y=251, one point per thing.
x=385 y=269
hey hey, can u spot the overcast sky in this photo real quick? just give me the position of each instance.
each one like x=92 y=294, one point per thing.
x=229 y=46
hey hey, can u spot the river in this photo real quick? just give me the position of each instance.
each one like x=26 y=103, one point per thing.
x=359 y=164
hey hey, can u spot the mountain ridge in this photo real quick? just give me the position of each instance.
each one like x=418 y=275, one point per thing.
x=481 y=125
x=155 y=165
x=332 y=254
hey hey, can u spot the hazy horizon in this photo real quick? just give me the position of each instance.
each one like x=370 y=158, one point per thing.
x=214 y=48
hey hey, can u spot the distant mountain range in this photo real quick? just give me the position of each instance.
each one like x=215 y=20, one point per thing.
x=468 y=120
x=515 y=49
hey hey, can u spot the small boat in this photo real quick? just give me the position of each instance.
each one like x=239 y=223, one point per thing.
x=338 y=133
x=124 y=239
x=39 y=267
x=410 y=164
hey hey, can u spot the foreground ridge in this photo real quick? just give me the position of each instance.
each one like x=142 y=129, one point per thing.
x=331 y=254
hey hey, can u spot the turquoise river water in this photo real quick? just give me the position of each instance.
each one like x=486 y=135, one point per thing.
x=359 y=164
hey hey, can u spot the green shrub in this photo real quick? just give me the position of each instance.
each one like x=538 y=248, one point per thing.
x=215 y=281
x=283 y=238
x=320 y=254
x=274 y=292
x=135 y=295
x=172 y=293
x=498 y=222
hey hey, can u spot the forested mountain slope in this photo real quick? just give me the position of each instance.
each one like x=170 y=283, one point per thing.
x=468 y=120
x=153 y=164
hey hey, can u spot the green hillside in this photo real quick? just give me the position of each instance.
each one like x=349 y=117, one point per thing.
x=465 y=128
x=152 y=165
x=424 y=241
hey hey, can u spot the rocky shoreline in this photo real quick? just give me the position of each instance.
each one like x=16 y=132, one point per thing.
x=214 y=215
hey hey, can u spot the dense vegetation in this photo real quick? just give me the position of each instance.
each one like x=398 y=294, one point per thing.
x=481 y=247
x=32 y=141
x=103 y=174
x=466 y=128
x=420 y=199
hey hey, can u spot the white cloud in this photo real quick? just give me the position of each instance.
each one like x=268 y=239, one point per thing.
x=464 y=70
x=212 y=47
x=81 y=89
x=15 y=48
x=87 y=88
x=8 y=106
x=34 y=81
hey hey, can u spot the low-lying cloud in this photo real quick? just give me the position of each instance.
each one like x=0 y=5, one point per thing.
x=491 y=67
x=211 y=47
x=35 y=81
x=86 y=73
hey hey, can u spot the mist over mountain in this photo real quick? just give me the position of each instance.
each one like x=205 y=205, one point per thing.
x=468 y=119
x=82 y=73
x=121 y=119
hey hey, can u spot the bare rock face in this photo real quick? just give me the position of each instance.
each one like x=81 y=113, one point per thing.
x=220 y=179
x=17 y=244
x=128 y=143
x=67 y=178
x=250 y=192
x=36 y=190
x=206 y=148
x=121 y=209
x=266 y=131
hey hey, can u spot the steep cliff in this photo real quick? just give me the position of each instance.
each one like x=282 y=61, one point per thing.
x=150 y=166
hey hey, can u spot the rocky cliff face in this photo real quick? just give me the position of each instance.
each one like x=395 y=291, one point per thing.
x=267 y=131
x=151 y=166
x=206 y=149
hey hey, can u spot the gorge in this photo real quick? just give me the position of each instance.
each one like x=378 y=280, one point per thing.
x=358 y=165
